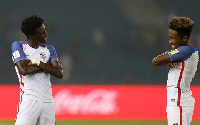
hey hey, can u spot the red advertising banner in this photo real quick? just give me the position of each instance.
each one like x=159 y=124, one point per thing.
x=100 y=102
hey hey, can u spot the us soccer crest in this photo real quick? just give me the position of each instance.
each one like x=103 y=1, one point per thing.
x=43 y=56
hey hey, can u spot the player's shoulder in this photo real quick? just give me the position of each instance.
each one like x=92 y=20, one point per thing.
x=45 y=45
x=18 y=43
x=190 y=48
x=49 y=47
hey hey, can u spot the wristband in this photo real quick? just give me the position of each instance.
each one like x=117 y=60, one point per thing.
x=35 y=62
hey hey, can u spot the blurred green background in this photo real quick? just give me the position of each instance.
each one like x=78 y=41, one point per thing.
x=99 y=41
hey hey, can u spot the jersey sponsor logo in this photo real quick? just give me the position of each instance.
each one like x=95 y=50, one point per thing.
x=16 y=54
x=174 y=52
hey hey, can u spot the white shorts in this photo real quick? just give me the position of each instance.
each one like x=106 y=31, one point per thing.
x=179 y=115
x=36 y=113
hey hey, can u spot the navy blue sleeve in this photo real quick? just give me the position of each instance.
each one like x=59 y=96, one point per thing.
x=53 y=54
x=182 y=53
x=17 y=51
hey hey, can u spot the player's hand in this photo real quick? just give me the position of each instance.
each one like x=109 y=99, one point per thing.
x=175 y=64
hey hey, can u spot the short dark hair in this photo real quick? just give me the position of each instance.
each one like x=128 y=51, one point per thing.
x=30 y=24
x=183 y=25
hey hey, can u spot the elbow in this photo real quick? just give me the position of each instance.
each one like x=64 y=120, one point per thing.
x=155 y=63
x=23 y=72
x=60 y=76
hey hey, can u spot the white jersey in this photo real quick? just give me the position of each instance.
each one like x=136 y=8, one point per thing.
x=35 y=86
x=179 y=78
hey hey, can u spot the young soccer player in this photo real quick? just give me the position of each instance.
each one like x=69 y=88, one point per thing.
x=34 y=63
x=183 y=60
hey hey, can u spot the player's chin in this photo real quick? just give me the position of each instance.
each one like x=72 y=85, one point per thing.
x=45 y=40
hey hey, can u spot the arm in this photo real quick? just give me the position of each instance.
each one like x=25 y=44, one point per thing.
x=21 y=61
x=173 y=58
x=162 y=59
x=54 y=68
x=26 y=69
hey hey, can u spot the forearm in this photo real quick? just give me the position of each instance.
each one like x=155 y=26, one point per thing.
x=55 y=71
x=162 y=59
x=30 y=70
x=54 y=68
x=25 y=67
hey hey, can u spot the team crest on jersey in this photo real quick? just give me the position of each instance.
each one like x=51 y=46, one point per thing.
x=43 y=56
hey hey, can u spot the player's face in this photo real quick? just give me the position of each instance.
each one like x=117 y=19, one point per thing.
x=174 y=39
x=41 y=34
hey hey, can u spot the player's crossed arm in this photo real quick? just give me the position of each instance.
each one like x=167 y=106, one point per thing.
x=164 y=59
x=54 y=68
x=174 y=57
x=25 y=68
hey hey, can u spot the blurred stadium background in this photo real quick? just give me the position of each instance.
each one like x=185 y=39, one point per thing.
x=99 y=42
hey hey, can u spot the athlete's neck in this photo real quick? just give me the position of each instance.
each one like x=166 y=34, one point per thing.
x=33 y=44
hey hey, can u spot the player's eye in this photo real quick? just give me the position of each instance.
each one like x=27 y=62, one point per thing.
x=44 y=32
x=170 y=37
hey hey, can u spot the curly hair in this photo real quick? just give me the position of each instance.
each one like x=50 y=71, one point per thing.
x=183 y=25
x=30 y=24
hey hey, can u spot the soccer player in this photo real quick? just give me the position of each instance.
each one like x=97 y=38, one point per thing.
x=183 y=60
x=34 y=63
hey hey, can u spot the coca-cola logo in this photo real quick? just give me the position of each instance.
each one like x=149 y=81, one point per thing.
x=95 y=102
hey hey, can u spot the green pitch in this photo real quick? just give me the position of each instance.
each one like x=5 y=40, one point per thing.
x=105 y=123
